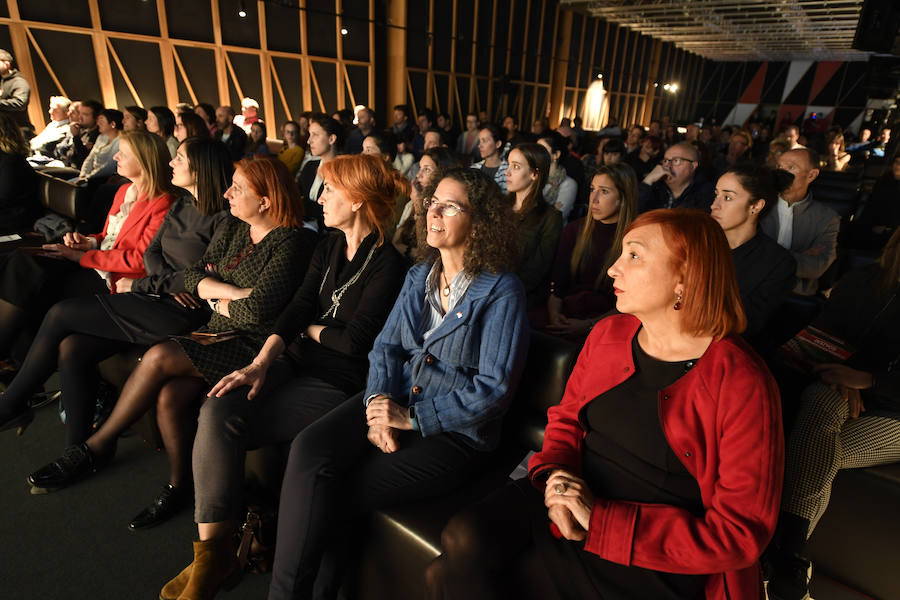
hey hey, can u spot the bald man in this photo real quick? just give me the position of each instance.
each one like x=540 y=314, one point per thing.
x=802 y=225
x=675 y=182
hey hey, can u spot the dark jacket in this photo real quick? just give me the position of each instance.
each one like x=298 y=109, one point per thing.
x=236 y=142
x=19 y=205
x=539 y=235
x=723 y=421
x=75 y=153
x=341 y=355
x=311 y=208
x=14 y=95
x=181 y=239
x=869 y=320
x=699 y=194
x=765 y=275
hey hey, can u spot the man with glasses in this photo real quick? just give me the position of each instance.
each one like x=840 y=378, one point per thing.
x=805 y=227
x=675 y=182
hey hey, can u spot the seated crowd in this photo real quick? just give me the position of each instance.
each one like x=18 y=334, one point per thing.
x=373 y=290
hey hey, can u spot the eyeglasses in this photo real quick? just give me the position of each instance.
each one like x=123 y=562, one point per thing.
x=675 y=162
x=445 y=209
x=237 y=258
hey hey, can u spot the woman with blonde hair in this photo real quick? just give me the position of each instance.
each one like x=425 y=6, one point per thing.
x=313 y=359
x=580 y=288
x=84 y=265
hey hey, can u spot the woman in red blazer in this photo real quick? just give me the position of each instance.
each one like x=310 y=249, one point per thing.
x=91 y=264
x=661 y=470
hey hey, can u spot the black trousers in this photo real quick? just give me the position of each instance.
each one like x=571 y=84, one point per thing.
x=334 y=475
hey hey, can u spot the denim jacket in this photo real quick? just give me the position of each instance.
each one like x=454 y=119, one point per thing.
x=463 y=377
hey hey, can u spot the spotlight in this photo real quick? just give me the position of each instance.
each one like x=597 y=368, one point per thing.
x=242 y=12
x=599 y=75
x=344 y=31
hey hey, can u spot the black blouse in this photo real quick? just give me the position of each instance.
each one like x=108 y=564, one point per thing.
x=765 y=275
x=182 y=238
x=352 y=323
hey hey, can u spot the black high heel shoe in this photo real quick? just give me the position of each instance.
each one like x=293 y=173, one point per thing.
x=19 y=421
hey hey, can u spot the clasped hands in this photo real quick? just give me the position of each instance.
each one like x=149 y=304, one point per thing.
x=569 y=503
x=386 y=419
x=73 y=247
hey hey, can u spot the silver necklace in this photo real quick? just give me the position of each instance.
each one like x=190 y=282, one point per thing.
x=338 y=293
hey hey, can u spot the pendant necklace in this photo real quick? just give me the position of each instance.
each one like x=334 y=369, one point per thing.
x=446 y=290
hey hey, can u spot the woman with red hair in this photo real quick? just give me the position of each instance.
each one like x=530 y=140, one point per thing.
x=314 y=358
x=661 y=469
x=249 y=272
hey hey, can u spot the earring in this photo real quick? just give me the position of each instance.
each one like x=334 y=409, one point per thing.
x=678 y=302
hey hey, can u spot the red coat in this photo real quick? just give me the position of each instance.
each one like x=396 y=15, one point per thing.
x=126 y=257
x=723 y=420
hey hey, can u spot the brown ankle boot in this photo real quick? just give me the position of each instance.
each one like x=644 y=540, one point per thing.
x=173 y=589
x=215 y=566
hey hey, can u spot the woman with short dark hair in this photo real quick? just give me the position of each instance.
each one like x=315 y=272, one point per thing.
x=326 y=138
x=441 y=376
x=19 y=205
x=660 y=471
x=490 y=148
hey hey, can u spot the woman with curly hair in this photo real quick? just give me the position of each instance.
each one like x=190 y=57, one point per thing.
x=441 y=376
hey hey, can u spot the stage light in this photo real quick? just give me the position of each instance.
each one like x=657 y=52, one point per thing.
x=242 y=12
x=344 y=31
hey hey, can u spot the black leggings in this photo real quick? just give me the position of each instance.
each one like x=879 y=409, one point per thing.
x=76 y=334
x=334 y=475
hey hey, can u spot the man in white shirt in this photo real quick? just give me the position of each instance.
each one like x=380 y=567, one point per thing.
x=44 y=142
x=799 y=224
x=792 y=136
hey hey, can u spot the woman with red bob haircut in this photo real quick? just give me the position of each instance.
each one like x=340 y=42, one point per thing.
x=661 y=469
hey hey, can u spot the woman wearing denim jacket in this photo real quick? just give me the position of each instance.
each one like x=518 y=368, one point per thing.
x=441 y=376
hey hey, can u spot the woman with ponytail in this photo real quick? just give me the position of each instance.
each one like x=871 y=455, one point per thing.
x=765 y=270
x=313 y=359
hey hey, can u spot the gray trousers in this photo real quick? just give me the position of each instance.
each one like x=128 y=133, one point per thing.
x=229 y=426
x=825 y=440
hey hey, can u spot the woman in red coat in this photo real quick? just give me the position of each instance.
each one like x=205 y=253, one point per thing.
x=91 y=264
x=661 y=470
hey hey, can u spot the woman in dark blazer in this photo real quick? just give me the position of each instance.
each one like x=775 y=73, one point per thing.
x=442 y=373
x=86 y=265
x=326 y=138
x=312 y=361
x=540 y=225
x=248 y=273
x=79 y=332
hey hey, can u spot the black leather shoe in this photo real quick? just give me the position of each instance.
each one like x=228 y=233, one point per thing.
x=77 y=462
x=166 y=505
x=19 y=421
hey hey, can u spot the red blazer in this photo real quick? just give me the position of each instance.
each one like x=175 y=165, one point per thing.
x=723 y=420
x=126 y=257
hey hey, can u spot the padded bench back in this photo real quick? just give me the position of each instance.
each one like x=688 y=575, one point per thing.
x=57 y=195
x=547 y=369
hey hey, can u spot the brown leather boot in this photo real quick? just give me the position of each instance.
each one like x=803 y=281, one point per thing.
x=215 y=566
x=173 y=589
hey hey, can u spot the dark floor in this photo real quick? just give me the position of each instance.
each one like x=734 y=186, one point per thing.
x=74 y=544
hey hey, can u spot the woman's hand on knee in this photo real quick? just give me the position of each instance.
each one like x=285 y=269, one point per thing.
x=253 y=375
x=843 y=375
